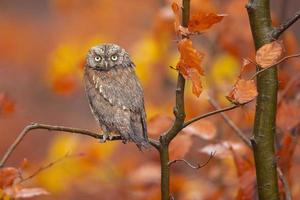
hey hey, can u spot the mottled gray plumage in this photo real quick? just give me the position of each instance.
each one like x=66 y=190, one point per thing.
x=115 y=95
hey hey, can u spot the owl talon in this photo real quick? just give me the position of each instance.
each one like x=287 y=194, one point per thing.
x=104 y=138
x=110 y=137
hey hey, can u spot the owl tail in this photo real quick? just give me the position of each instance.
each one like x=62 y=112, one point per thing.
x=141 y=142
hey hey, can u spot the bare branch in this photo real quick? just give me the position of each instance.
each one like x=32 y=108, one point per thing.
x=33 y=126
x=209 y=114
x=285 y=25
x=238 y=131
x=198 y=166
x=277 y=63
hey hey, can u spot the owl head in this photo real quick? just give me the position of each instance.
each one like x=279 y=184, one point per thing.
x=107 y=56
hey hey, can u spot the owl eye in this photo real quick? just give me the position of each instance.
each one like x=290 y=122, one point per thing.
x=114 y=57
x=97 y=58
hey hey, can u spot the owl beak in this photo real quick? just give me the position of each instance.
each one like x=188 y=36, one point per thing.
x=105 y=64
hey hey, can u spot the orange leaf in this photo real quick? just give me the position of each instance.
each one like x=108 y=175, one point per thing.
x=176 y=10
x=196 y=82
x=202 y=21
x=7 y=105
x=242 y=92
x=189 y=57
x=269 y=54
x=204 y=129
x=8 y=176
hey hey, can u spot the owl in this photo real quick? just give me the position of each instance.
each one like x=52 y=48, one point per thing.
x=115 y=94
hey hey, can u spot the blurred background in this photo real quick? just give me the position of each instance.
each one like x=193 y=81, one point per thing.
x=42 y=51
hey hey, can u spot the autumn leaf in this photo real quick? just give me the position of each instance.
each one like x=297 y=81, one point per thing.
x=196 y=82
x=176 y=11
x=8 y=176
x=189 y=57
x=204 y=129
x=243 y=91
x=269 y=54
x=202 y=21
x=7 y=105
x=190 y=64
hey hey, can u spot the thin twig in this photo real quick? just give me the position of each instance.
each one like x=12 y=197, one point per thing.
x=209 y=114
x=285 y=25
x=238 y=131
x=277 y=63
x=198 y=166
x=33 y=126
x=45 y=167
x=287 y=191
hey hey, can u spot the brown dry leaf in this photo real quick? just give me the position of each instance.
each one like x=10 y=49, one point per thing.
x=269 y=54
x=7 y=105
x=288 y=115
x=180 y=146
x=8 y=176
x=159 y=124
x=204 y=129
x=243 y=91
x=29 y=192
x=189 y=57
x=202 y=21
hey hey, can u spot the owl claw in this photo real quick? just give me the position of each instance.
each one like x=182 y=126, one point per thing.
x=104 y=138
x=110 y=137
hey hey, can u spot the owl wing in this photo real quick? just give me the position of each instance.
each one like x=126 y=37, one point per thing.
x=124 y=91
